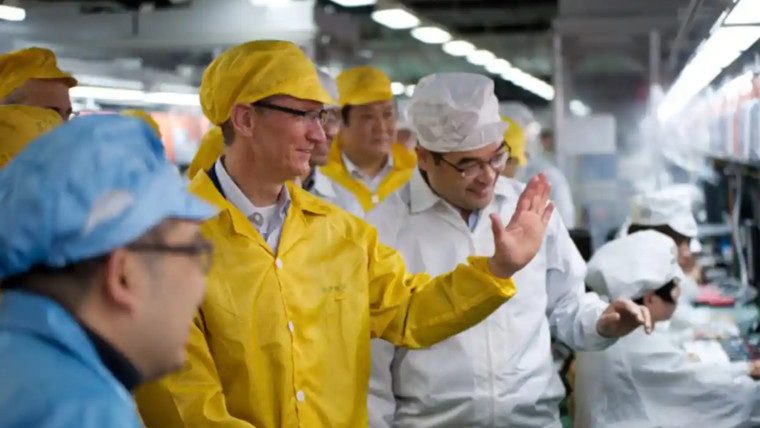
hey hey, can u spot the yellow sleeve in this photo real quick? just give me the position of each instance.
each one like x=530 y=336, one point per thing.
x=191 y=398
x=417 y=311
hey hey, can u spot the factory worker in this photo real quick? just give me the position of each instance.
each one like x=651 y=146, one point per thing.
x=514 y=137
x=299 y=286
x=31 y=77
x=103 y=269
x=146 y=117
x=500 y=372
x=19 y=125
x=365 y=158
x=315 y=182
x=646 y=380
x=539 y=162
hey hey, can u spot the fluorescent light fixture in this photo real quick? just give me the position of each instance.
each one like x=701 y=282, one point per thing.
x=88 y=80
x=354 y=3
x=744 y=12
x=431 y=35
x=409 y=90
x=12 y=13
x=529 y=83
x=172 y=98
x=270 y=3
x=578 y=108
x=134 y=96
x=480 y=57
x=397 y=88
x=458 y=48
x=396 y=19
x=498 y=66
x=718 y=51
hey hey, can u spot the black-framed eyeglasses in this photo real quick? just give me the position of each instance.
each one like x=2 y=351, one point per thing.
x=203 y=251
x=472 y=168
x=319 y=116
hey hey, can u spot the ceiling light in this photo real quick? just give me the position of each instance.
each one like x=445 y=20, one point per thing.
x=498 y=66
x=99 y=93
x=172 y=98
x=397 y=88
x=458 y=48
x=481 y=57
x=744 y=12
x=354 y=3
x=431 y=35
x=12 y=13
x=397 y=19
x=578 y=108
x=409 y=90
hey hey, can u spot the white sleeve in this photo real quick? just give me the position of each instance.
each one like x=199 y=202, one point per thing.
x=381 y=402
x=572 y=313
x=668 y=383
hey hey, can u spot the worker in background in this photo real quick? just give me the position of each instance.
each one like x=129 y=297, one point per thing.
x=365 y=158
x=539 y=162
x=514 y=137
x=500 y=372
x=648 y=381
x=299 y=286
x=31 y=77
x=19 y=125
x=146 y=117
x=315 y=181
x=103 y=269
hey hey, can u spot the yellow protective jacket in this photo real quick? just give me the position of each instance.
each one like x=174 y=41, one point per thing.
x=404 y=162
x=283 y=340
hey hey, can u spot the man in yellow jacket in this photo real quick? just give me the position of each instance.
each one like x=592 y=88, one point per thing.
x=365 y=158
x=299 y=286
x=31 y=77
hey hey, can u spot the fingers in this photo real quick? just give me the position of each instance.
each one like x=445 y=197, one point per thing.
x=648 y=326
x=497 y=227
x=541 y=196
x=611 y=317
x=526 y=198
x=548 y=213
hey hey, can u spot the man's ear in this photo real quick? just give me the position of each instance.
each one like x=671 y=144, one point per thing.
x=424 y=158
x=120 y=279
x=242 y=119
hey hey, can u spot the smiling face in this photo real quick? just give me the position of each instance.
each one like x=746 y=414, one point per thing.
x=370 y=130
x=472 y=189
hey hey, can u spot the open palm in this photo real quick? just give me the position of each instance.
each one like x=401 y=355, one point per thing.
x=517 y=244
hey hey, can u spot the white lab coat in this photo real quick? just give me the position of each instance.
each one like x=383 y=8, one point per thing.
x=500 y=372
x=648 y=382
x=325 y=188
x=561 y=194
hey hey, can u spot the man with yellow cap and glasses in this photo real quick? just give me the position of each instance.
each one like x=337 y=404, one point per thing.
x=365 y=158
x=31 y=77
x=299 y=287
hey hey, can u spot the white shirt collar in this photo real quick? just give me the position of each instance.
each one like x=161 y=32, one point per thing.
x=322 y=185
x=359 y=175
x=237 y=198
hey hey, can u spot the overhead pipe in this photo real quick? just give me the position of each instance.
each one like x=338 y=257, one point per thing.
x=683 y=31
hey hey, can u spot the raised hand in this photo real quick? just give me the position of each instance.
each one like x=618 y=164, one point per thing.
x=517 y=244
x=622 y=317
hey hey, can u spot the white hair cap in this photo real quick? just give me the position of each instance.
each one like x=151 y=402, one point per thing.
x=632 y=265
x=330 y=85
x=456 y=112
x=665 y=207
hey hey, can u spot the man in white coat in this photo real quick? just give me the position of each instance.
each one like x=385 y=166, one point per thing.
x=648 y=381
x=499 y=373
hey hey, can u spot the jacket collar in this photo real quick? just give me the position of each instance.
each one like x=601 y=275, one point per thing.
x=322 y=185
x=401 y=158
x=42 y=317
x=205 y=188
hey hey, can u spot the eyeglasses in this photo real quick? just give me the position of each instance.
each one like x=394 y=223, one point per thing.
x=472 y=168
x=319 y=116
x=203 y=251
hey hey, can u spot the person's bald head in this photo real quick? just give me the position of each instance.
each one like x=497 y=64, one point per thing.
x=51 y=94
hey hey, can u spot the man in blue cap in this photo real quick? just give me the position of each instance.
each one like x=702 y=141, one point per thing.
x=103 y=270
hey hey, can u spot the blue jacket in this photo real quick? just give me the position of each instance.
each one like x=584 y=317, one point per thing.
x=50 y=372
